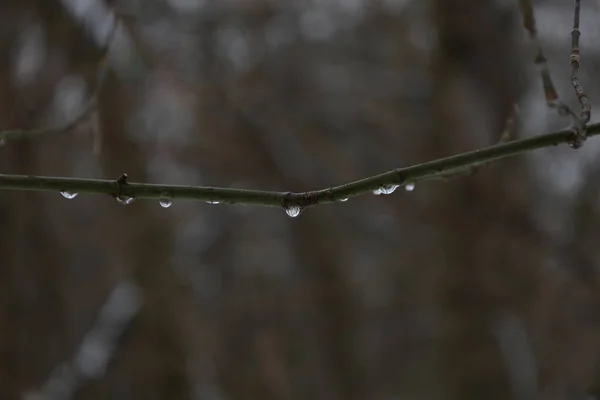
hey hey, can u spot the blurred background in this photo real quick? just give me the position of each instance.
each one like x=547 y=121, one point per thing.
x=483 y=286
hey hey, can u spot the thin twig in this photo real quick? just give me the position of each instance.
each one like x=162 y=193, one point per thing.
x=103 y=68
x=512 y=123
x=550 y=92
x=401 y=176
x=586 y=109
x=507 y=135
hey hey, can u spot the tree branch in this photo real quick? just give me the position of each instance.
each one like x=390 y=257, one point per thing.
x=551 y=94
x=384 y=183
x=82 y=116
x=586 y=109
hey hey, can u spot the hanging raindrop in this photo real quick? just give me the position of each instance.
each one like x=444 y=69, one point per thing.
x=68 y=195
x=344 y=199
x=166 y=202
x=409 y=186
x=377 y=192
x=388 y=189
x=213 y=202
x=125 y=200
x=293 y=211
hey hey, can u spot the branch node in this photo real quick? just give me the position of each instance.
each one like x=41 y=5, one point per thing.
x=120 y=182
x=313 y=198
x=577 y=137
x=286 y=200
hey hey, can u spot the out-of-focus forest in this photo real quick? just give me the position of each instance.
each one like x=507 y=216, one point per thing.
x=485 y=285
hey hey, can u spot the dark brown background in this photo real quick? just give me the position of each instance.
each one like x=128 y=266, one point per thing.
x=483 y=286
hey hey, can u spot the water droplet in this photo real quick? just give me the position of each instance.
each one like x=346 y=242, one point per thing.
x=576 y=144
x=377 y=192
x=388 y=189
x=213 y=202
x=68 y=195
x=166 y=202
x=293 y=211
x=125 y=200
x=344 y=199
x=409 y=186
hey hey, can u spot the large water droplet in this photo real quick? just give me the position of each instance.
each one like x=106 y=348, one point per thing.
x=388 y=189
x=344 y=199
x=377 y=192
x=293 y=211
x=68 y=195
x=213 y=202
x=125 y=200
x=165 y=203
x=409 y=186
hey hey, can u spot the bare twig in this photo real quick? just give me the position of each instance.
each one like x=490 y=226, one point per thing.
x=391 y=179
x=550 y=92
x=507 y=135
x=512 y=123
x=586 y=109
x=551 y=95
x=103 y=68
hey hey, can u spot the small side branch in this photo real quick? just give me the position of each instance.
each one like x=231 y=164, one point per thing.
x=586 y=109
x=550 y=92
x=89 y=107
x=510 y=131
x=401 y=176
x=507 y=135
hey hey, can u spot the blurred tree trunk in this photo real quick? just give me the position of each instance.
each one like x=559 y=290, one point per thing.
x=150 y=361
x=40 y=323
x=51 y=295
x=475 y=88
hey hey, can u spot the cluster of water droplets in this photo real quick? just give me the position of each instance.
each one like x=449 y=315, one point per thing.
x=389 y=189
x=68 y=195
x=385 y=189
x=293 y=211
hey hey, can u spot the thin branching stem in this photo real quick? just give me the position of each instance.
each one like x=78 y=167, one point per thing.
x=512 y=122
x=550 y=92
x=507 y=135
x=586 y=109
x=83 y=115
x=120 y=187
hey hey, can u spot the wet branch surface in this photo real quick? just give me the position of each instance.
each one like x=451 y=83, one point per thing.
x=384 y=183
x=550 y=93
x=125 y=192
